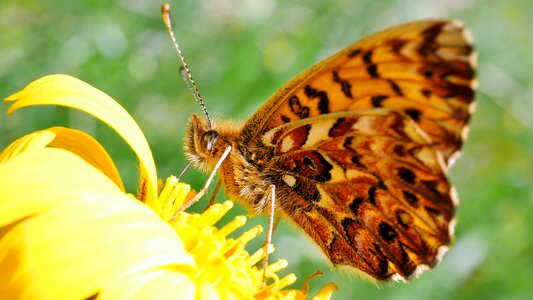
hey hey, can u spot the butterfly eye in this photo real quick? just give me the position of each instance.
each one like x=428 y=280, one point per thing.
x=208 y=139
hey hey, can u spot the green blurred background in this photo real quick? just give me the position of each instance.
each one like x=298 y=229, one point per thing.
x=240 y=52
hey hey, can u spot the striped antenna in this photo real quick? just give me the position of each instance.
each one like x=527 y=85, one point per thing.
x=184 y=70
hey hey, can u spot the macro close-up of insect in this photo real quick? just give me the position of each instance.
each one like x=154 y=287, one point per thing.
x=357 y=147
x=383 y=145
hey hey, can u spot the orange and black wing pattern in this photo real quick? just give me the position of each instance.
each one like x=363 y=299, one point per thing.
x=423 y=69
x=359 y=145
x=368 y=187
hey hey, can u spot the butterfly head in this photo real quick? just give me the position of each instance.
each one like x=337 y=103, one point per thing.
x=204 y=145
x=200 y=143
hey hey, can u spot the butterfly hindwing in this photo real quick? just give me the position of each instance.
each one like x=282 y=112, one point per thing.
x=367 y=186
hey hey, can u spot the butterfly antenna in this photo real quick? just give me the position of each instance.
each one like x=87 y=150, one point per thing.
x=184 y=70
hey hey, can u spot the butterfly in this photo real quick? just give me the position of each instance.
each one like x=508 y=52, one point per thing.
x=358 y=147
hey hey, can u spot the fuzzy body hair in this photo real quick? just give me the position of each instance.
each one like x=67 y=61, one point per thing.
x=242 y=174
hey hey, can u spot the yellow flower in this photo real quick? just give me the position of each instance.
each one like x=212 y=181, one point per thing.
x=69 y=230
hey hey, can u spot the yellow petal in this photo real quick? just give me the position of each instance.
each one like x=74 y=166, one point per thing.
x=206 y=290
x=326 y=292
x=28 y=143
x=80 y=230
x=86 y=147
x=75 y=141
x=33 y=182
x=68 y=91
x=79 y=247
x=153 y=284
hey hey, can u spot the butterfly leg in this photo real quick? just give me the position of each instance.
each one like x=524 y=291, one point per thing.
x=184 y=169
x=202 y=192
x=270 y=194
x=214 y=195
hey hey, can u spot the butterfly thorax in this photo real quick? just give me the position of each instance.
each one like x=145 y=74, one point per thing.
x=242 y=172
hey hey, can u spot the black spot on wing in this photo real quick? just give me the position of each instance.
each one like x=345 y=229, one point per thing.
x=406 y=175
x=397 y=45
x=432 y=211
x=323 y=101
x=367 y=57
x=346 y=87
x=431 y=33
x=354 y=206
x=463 y=92
x=432 y=186
x=356 y=160
x=411 y=198
x=413 y=113
x=377 y=100
x=312 y=165
x=387 y=233
x=399 y=150
x=309 y=163
x=396 y=88
x=354 y=53
x=381 y=184
x=428 y=45
x=372 y=195
x=426 y=93
x=296 y=107
x=372 y=70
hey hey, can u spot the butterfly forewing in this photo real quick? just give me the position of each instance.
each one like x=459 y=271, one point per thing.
x=422 y=69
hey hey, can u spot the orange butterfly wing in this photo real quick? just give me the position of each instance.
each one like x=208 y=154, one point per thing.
x=359 y=144
x=423 y=69
x=367 y=186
